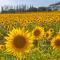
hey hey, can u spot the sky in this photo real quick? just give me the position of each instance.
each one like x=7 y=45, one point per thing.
x=35 y=3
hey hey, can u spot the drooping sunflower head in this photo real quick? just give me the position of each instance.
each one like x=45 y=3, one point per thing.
x=18 y=42
x=38 y=32
x=55 y=42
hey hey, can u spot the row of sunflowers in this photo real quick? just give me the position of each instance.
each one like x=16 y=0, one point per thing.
x=30 y=36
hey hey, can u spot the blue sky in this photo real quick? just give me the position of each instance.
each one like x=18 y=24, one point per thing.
x=36 y=3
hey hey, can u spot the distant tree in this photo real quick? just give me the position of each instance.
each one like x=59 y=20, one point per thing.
x=11 y=11
x=17 y=8
x=2 y=9
x=24 y=8
x=42 y=9
x=32 y=9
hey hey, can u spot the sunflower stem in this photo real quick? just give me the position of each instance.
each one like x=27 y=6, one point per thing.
x=17 y=58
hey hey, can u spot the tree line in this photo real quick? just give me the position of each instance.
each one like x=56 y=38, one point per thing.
x=24 y=8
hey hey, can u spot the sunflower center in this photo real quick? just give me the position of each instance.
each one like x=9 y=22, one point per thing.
x=19 y=41
x=47 y=34
x=37 y=32
x=57 y=43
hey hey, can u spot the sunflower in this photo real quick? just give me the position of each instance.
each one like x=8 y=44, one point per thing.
x=18 y=42
x=2 y=47
x=49 y=33
x=55 y=42
x=38 y=32
x=51 y=30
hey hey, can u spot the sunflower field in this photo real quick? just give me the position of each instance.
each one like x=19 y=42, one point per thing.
x=30 y=36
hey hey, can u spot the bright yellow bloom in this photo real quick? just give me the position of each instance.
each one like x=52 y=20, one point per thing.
x=2 y=47
x=55 y=42
x=19 y=42
x=38 y=32
x=49 y=33
x=51 y=30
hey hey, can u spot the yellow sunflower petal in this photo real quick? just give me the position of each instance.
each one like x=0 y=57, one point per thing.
x=18 y=42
